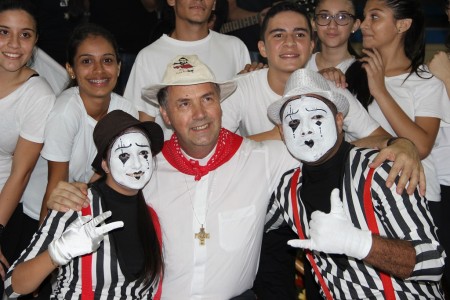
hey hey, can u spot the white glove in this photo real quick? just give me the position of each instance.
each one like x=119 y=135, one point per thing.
x=334 y=233
x=81 y=237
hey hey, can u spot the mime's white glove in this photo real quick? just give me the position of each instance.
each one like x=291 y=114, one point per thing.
x=334 y=233
x=81 y=237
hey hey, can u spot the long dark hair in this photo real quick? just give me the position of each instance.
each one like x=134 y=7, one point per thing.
x=153 y=258
x=414 y=41
x=82 y=32
x=414 y=45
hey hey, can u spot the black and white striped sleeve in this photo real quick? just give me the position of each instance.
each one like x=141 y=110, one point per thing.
x=54 y=225
x=407 y=217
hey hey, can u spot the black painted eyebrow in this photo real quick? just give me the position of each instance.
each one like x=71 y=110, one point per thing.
x=123 y=147
x=143 y=146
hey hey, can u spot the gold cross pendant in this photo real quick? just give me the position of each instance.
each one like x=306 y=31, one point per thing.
x=202 y=235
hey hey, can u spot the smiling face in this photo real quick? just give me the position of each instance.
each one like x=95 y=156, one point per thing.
x=130 y=162
x=334 y=35
x=17 y=39
x=309 y=128
x=95 y=68
x=195 y=114
x=287 y=42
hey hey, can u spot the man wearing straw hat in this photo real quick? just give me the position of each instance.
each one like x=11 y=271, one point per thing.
x=210 y=190
x=372 y=244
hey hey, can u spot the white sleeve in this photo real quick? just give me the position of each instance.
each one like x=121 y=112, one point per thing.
x=431 y=99
x=358 y=123
x=33 y=112
x=61 y=130
x=142 y=74
x=245 y=55
x=232 y=109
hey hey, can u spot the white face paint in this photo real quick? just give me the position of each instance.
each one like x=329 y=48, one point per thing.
x=130 y=160
x=309 y=128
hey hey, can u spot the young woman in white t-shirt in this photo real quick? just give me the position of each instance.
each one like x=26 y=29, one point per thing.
x=334 y=22
x=399 y=91
x=440 y=67
x=25 y=102
x=93 y=65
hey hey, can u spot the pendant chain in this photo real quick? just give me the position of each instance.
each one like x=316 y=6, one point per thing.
x=202 y=235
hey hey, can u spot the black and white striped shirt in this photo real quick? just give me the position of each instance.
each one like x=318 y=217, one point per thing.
x=107 y=278
x=398 y=217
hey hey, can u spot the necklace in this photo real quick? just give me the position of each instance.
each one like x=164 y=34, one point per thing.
x=202 y=235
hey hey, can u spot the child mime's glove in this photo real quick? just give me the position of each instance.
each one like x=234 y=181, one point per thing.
x=334 y=233
x=81 y=237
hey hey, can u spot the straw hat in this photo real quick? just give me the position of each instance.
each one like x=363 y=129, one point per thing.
x=187 y=70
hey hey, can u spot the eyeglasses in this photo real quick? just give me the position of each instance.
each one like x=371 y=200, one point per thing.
x=341 y=19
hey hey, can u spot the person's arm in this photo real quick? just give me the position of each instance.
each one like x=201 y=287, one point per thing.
x=414 y=255
x=273 y=134
x=57 y=171
x=422 y=131
x=38 y=245
x=144 y=117
x=66 y=196
x=25 y=157
x=394 y=257
x=40 y=267
x=81 y=237
x=404 y=154
x=440 y=67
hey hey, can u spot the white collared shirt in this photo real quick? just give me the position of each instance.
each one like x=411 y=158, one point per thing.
x=231 y=201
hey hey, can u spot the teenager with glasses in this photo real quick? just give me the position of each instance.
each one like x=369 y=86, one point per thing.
x=334 y=22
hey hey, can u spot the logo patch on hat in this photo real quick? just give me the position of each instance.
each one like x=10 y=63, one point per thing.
x=183 y=65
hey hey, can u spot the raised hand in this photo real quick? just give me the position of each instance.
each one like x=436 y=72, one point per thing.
x=334 y=233
x=81 y=237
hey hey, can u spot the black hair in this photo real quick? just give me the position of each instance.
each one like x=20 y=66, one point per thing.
x=350 y=49
x=153 y=258
x=24 y=5
x=282 y=7
x=414 y=44
x=358 y=83
x=82 y=32
x=414 y=40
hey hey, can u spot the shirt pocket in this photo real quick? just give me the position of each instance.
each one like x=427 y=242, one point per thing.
x=236 y=227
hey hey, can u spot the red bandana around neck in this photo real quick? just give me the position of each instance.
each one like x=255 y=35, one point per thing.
x=227 y=145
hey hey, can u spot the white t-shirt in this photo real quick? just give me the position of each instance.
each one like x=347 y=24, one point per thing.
x=23 y=113
x=231 y=202
x=343 y=65
x=246 y=109
x=417 y=97
x=56 y=76
x=68 y=135
x=441 y=154
x=225 y=55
